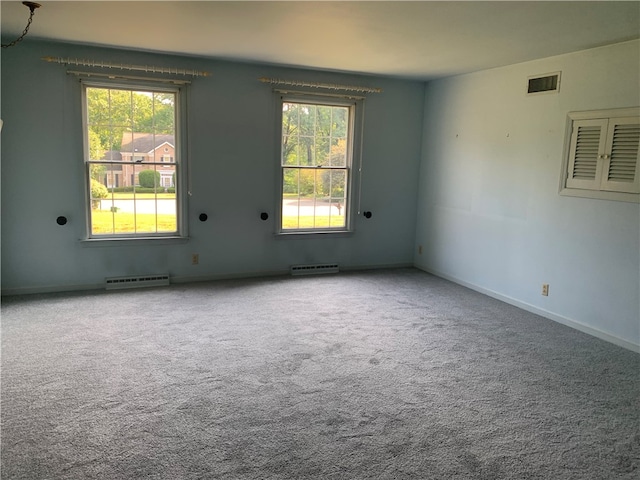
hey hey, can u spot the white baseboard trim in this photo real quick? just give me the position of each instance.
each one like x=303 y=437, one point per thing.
x=51 y=289
x=381 y=266
x=182 y=279
x=276 y=273
x=607 y=337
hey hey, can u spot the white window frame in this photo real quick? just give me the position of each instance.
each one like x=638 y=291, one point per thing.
x=180 y=162
x=353 y=157
x=598 y=187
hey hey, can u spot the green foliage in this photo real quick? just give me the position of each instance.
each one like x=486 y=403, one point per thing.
x=96 y=148
x=111 y=112
x=149 y=178
x=123 y=189
x=333 y=183
x=97 y=171
x=98 y=191
x=300 y=182
x=142 y=190
x=311 y=134
x=314 y=135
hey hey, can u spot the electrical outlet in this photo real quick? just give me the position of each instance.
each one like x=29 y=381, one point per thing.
x=419 y=249
x=545 y=289
x=195 y=258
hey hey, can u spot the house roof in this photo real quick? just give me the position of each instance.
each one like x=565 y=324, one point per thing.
x=144 y=142
x=112 y=155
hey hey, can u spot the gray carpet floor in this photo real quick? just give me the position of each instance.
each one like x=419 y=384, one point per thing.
x=389 y=374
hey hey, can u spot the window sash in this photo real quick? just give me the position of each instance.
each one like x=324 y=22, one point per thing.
x=172 y=209
x=298 y=223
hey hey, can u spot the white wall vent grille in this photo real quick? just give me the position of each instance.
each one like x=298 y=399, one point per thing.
x=115 y=283
x=314 y=269
x=547 y=83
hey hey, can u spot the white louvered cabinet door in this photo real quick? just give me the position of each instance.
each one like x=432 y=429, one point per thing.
x=621 y=169
x=588 y=142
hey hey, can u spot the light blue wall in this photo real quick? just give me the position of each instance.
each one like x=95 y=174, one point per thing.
x=484 y=156
x=233 y=167
x=489 y=212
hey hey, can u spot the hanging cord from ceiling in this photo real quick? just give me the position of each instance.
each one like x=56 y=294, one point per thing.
x=32 y=7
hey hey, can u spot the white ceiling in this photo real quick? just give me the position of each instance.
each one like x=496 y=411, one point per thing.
x=421 y=40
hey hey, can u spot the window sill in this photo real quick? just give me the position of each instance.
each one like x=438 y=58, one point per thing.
x=127 y=242
x=601 y=195
x=312 y=234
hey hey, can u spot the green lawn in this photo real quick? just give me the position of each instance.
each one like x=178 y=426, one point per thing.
x=140 y=196
x=335 y=221
x=106 y=222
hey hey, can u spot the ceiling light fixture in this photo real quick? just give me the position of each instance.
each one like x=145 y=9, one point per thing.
x=32 y=8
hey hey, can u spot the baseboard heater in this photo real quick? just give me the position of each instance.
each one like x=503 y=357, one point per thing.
x=314 y=269
x=139 y=281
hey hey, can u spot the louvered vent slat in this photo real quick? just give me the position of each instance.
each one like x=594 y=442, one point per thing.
x=586 y=156
x=624 y=153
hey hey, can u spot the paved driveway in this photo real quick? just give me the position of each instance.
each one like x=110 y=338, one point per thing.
x=161 y=206
x=305 y=207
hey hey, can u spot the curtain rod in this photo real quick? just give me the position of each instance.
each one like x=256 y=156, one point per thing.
x=124 y=66
x=329 y=86
x=175 y=81
x=348 y=96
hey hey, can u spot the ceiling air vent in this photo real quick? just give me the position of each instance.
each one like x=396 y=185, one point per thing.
x=547 y=83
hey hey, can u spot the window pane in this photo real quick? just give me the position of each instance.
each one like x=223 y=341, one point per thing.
x=323 y=151
x=338 y=182
x=338 y=152
x=340 y=122
x=164 y=113
x=290 y=150
x=145 y=214
x=305 y=151
x=98 y=106
x=290 y=118
x=314 y=136
x=313 y=198
x=290 y=181
x=134 y=128
x=96 y=147
x=307 y=120
x=125 y=146
x=120 y=108
x=142 y=112
x=323 y=121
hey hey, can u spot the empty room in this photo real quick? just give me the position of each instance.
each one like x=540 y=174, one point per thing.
x=320 y=240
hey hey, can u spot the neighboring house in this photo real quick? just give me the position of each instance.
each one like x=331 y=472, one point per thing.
x=139 y=151
x=113 y=175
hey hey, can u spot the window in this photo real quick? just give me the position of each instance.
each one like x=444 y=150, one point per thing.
x=125 y=127
x=601 y=159
x=316 y=152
